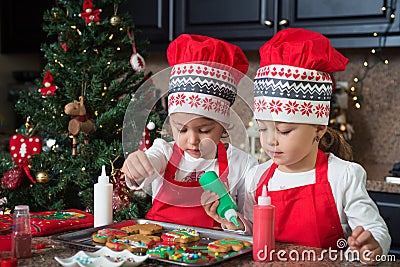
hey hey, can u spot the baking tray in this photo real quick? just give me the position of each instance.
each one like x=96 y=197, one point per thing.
x=82 y=239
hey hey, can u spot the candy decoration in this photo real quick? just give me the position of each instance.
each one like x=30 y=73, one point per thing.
x=89 y=14
x=22 y=148
x=49 y=88
x=136 y=60
x=42 y=177
x=13 y=178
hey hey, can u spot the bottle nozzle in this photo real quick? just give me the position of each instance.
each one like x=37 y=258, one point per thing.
x=231 y=215
x=264 y=190
x=264 y=199
x=103 y=171
x=103 y=178
x=235 y=222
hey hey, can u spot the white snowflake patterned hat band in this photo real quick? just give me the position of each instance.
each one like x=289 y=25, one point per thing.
x=201 y=89
x=291 y=94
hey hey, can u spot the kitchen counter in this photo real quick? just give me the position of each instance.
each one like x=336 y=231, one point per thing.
x=383 y=186
x=45 y=257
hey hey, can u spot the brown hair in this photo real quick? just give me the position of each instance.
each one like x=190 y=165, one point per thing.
x=334 y=142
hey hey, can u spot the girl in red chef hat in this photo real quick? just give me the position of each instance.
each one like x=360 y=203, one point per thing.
x=319 y=194
x=203 y=82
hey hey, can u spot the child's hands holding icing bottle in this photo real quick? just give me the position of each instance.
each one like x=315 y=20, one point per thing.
x=210 y=201
x=137 y=167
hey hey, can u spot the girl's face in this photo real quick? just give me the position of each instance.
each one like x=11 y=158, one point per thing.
x=292 y=146
x=196 y=135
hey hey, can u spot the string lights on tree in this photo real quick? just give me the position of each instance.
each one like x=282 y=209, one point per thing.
x=374 y=58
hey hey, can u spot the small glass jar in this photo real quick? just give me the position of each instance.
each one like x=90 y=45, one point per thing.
x=21 y=237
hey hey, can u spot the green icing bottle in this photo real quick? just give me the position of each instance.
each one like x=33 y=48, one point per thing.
x=227 y=207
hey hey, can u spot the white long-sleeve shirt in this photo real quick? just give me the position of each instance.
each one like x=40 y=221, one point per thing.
x=239 y=164
x=348 y=183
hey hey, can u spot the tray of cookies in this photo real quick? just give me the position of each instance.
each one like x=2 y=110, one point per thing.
x=161 y=241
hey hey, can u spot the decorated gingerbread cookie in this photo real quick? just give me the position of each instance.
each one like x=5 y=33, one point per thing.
x=146 y=239
x=144 y=229
x=227 y=244
x=182 y=235
x=135 y=243
x=132 y=246
x=103 y=235
x=177 y=253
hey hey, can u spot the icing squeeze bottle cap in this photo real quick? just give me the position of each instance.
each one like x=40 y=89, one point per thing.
x=232 y=216
x=264 y=200
x=103 y=178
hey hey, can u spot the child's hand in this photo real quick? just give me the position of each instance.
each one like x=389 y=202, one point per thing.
x=210 y=202
x=363 y=241
x=137 y=167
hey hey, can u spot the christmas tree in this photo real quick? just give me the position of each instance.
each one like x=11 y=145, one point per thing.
x=75 y=118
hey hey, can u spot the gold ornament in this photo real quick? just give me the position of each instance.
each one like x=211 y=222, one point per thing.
x=42 y=177
x=115 y=20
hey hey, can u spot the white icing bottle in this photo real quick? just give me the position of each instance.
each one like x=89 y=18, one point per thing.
x=103 y=191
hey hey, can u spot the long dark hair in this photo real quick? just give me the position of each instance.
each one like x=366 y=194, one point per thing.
x=334 y=142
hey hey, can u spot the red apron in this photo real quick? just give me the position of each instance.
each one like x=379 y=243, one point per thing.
x=179 y=202
x=305 y=215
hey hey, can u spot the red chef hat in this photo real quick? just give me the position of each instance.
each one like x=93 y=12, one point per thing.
x=204 y=76
x=293 y=83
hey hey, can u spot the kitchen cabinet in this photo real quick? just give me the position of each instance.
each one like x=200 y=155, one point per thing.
x=250 y=23
x=389 y=208
x=348 y=24
x=153 y=18
x=245 y=23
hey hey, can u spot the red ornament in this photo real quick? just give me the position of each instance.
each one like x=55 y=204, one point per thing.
x=137 y=62
x=22 y=148
x=13 y=178
x=89 y=14
x=64 y=46
x=49 y=88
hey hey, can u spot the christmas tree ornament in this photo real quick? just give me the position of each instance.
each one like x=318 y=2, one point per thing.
x=42 y=177
x=115 y=20
x=13 y=178
x=28 y=126
x=49 y=88
x=89 y=13
x=136 y=60
x=151 y=125
x=120 y=197
x=61 y=40
x=49 y=143
x=21 y=150
x=80 y=122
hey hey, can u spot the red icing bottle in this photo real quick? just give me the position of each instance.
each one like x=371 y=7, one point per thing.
x=263 y=228
x=21 y=237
